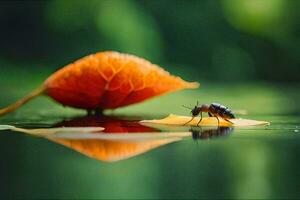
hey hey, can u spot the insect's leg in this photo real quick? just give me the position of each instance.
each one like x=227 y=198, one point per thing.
x=218 y=120
x=228 y=120
x=209 y=114
x=188 y=121
x=200 y=119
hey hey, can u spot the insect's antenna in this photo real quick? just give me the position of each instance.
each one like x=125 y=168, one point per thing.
x=197 y=103
x=187 y=107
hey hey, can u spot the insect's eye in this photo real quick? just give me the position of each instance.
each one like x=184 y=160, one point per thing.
x=194 y=112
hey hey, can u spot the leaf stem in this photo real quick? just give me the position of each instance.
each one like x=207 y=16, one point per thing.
x=22 y=101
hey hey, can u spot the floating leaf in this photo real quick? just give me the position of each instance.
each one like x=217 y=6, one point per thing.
x=206 y=121
x=106 y=80
x=49 y=131
x=6 y=127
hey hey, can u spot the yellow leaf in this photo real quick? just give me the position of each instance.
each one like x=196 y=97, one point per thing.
x=206 y=121
x=49 y=131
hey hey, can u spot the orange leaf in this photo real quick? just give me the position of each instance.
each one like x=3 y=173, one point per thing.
x=106 y=80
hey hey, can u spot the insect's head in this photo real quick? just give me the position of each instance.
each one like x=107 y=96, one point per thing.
x=196 y=110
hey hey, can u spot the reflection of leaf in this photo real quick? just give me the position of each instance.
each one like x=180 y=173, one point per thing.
x=112 y=146
x=112 y=150
x=106 y=80
x=206 y=121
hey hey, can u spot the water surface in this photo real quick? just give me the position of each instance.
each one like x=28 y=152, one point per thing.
x=253 y=162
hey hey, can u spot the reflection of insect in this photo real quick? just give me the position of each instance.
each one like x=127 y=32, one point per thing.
x=215 y=109
x=209 y=133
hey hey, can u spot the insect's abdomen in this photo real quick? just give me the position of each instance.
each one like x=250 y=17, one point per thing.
x=222 y=111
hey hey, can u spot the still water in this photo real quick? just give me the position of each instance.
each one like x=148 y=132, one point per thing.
x=171 y=162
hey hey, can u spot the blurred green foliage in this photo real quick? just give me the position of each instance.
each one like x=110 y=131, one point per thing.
x=221 y=40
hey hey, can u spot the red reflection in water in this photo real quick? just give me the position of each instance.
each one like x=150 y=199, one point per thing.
x=111 y=124
x=111 y=150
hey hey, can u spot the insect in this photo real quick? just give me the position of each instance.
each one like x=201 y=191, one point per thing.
x=214 y=110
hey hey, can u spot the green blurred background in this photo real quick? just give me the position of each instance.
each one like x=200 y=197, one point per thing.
x=245 y=53
x=215 y=40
